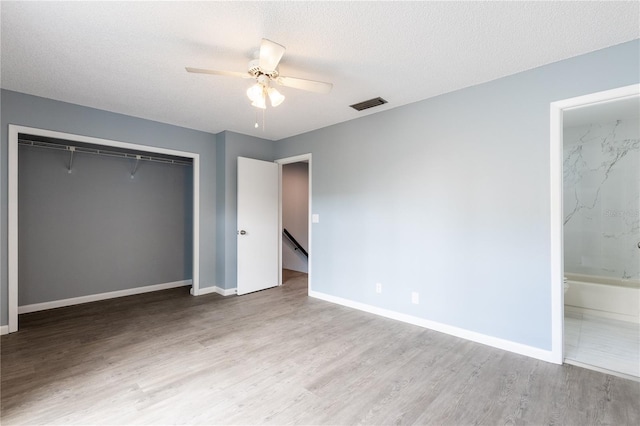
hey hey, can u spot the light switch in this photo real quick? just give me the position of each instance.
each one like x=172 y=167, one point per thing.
x=315 y=218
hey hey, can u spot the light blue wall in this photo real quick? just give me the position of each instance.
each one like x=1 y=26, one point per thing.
x=230 y=146
x=449 y=197
x=32 y=111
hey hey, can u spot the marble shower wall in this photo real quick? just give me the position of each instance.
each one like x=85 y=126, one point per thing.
x=602 y=199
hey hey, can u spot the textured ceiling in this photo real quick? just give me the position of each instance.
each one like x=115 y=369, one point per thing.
x=129 y=57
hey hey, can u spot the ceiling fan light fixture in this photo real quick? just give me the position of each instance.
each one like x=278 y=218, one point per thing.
x=256 y=92
x=275 y=97
x=259 y=103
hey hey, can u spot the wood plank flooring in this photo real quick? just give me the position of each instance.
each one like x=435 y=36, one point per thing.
x=279 y=357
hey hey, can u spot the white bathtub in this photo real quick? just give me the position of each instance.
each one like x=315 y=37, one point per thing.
x=605 y=297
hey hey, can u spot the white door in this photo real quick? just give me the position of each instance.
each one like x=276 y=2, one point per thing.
x=257 y=225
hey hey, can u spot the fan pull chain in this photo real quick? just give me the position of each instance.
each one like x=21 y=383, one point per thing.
x=256 y=125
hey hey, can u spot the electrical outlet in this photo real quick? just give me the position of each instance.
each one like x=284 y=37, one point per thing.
x=415 y=297
x=378 y=288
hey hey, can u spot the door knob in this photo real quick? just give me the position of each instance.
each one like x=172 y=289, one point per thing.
x=243 y=232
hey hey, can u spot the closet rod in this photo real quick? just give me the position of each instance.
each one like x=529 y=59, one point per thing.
x=84 y=150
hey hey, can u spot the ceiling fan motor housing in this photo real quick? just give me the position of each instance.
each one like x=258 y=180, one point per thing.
x=256 y=71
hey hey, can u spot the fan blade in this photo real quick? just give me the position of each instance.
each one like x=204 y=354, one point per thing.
x=270 y=55
x=215 y=72
x=302 y=84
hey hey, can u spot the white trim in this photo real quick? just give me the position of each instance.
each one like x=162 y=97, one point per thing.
x=295 y=159
x=556 y=226
x=484 y=339
x=280 y=226
x=556 y=242
x=12 y=265
x=4 y=329
x=281 y=162
x=214 y=289
x=100 y=296
x=203 y=290
x=12 y=232
x=226 y=291
x=195 y=273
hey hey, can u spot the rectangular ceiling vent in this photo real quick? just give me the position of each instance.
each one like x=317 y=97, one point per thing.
x=368 y=104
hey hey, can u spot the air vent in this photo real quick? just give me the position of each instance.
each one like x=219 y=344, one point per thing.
x=368 y=104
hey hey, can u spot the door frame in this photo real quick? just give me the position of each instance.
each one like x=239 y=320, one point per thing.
x=306 y=158
x=556 y=178
x=12 y=231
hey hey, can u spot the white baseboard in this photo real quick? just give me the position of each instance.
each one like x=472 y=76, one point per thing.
x=226 y=291
x=507 y=345
x=4 y=329
x=101 y=296
x=214 y=289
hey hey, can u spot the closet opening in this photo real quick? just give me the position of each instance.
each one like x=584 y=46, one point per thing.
x=93 y=219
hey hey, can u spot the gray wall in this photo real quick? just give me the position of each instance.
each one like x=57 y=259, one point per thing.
x=230 y=146
x=449 y=197
x=32 y=111
x=96 y=229
x=295 y=214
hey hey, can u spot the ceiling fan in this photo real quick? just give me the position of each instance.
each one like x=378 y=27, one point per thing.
x=264 y=69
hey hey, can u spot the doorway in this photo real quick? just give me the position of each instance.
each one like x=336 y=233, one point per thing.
x=594 y=227
x=295 y=220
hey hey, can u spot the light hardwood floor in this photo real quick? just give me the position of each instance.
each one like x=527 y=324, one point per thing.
x=279 y=357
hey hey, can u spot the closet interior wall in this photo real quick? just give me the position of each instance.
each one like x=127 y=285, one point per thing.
x=91 y=224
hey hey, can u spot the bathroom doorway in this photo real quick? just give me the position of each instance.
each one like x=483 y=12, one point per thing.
x=600 y=232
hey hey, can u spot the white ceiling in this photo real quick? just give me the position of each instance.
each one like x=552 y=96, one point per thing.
x=129 y=57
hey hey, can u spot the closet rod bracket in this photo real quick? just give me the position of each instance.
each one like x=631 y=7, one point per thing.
x=135 y=167
x=71 y=150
